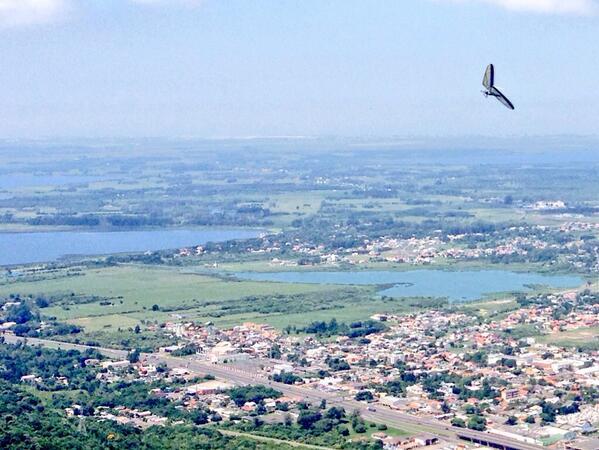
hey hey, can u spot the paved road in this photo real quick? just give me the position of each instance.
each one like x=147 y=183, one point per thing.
x=109 y=352
x=382 y=414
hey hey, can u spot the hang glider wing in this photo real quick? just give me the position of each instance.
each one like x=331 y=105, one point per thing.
x=489 y=79
x=502 y=98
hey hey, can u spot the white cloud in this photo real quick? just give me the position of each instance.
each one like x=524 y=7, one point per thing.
x=577 y=7
x=15 y=13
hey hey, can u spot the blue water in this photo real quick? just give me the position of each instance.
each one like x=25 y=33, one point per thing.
x=453 y=285
x=21 y=248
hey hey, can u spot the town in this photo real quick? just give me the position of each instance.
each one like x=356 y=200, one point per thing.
x=541 y=244
x=435 y=365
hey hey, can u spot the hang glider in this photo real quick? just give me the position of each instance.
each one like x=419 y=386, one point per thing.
x=491 y=90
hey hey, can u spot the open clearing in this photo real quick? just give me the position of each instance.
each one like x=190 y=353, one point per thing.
x=573 y=338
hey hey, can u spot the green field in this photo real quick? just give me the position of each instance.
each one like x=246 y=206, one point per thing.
x=129 y=293
x=134 y=290
x=587 y=338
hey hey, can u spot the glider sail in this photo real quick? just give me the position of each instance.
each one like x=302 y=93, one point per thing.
x=489 y=79
x=502 y=98
x=490 y=89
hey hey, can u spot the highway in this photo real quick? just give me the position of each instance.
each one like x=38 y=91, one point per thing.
x=230 y=373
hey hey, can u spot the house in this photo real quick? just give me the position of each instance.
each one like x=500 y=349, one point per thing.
x=393 y=443
x=116 y=364
x=392 y=402
x=420 y=440
x=280 y=368
x=510 y=394
x=9 y=305
x=30 y=379
x=7 y=325
x=425 y=439
x=587 y=428
x=208 y=387
x=248 y=406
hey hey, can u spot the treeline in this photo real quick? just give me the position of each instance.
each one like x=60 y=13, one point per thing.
x=576 y=209
x=286 y=378
x=86 y=220
x=122 y=338
x=315 y=426
x=334 y=328
x=28 y=321
x=586 y=297
x=133 y=221
x=256 y=394
x=91 y=220
x=239 y=217
x=19 y=360
x=186 y=350
x=287 y=304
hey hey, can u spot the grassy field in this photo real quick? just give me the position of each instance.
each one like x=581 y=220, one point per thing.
x=370 y=430
x=99 y=323
x=129 y=293
x=350 y=313
x=297 y=202
x=134 y=290
x=582 y=337
x=492 y=308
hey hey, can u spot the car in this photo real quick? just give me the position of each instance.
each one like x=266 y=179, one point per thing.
x=371 y=408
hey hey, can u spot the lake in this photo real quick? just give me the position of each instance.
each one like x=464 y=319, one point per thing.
x=453 y=285
x=22 y=248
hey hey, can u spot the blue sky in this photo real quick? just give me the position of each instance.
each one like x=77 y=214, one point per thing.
x=221 y=68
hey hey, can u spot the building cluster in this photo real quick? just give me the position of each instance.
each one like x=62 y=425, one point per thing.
x=520 y=242
x=178 y=385
x=505 y=375
x=547 y=205
x=449 y=363
x=240 y=342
